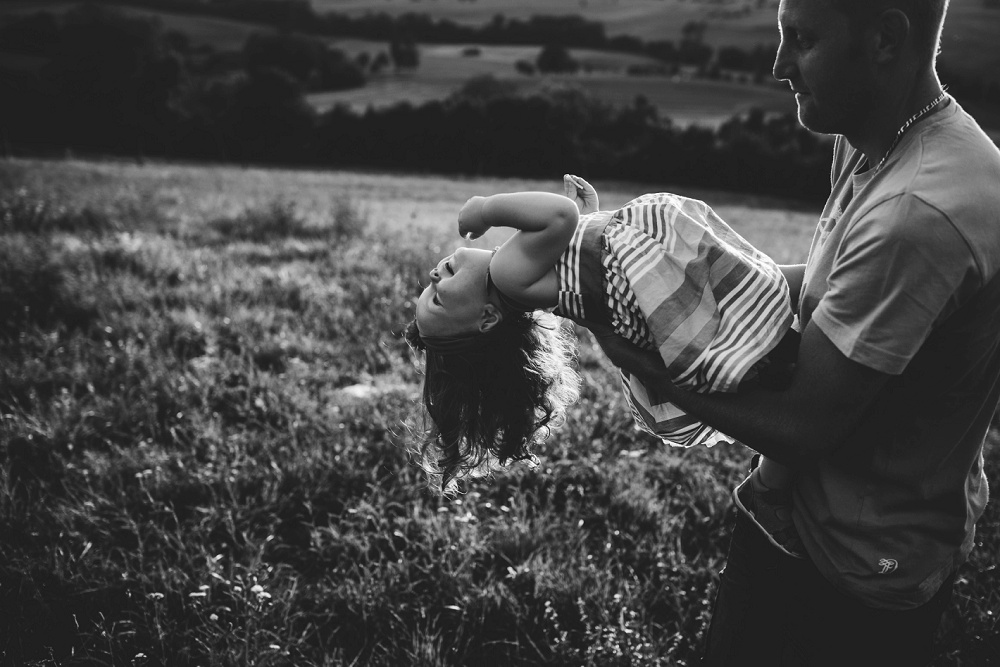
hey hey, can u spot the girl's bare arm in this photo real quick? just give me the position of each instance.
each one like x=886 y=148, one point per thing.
x=544 y=221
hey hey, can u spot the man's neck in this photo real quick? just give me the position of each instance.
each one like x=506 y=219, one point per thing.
x=897 y=105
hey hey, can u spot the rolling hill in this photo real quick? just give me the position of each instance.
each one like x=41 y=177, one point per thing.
x=968 y=42
x=968 y=48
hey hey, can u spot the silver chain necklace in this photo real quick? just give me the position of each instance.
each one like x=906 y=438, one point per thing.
x=913 y=119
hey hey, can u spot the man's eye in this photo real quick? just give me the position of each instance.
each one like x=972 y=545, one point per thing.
x=800 y=40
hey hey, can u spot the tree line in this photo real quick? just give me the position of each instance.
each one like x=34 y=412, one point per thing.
x=120 y=85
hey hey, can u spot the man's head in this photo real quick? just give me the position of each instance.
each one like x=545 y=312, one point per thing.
x=926 y=18
x=851 y=60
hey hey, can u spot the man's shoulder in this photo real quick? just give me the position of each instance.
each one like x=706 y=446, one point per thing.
x=960 y=170
x=945 y=190
x=954 y=161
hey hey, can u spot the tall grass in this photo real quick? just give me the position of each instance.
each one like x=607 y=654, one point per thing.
x=203 y=394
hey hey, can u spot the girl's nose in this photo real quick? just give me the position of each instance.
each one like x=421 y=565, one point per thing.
x=435 y=276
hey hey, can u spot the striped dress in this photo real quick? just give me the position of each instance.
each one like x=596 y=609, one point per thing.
x=669 y=275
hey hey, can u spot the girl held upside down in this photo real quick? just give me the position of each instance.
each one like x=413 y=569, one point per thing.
x=663 y=271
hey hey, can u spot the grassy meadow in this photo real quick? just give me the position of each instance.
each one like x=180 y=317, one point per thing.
x=205 y=408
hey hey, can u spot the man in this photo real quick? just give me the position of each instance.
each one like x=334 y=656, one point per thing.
x=898 y=371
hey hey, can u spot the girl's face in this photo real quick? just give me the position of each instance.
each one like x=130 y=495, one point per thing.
x=456 y=300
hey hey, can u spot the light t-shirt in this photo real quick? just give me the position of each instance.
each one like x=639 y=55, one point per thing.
x=903 y=276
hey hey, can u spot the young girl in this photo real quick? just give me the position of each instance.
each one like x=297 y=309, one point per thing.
x=664 y=272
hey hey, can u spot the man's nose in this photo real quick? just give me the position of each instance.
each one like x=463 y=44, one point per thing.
x=781 y=70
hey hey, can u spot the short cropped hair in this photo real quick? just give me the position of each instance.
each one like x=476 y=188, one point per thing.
x=926 y=18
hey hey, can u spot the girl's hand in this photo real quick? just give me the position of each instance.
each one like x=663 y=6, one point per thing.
x=582 y=193
x=470 y=219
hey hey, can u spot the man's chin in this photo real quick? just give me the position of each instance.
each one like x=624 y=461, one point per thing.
x=810 y=117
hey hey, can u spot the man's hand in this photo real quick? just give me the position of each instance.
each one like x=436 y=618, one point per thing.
x=582 y=193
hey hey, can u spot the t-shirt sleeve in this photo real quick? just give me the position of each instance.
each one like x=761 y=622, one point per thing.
x=898 y=271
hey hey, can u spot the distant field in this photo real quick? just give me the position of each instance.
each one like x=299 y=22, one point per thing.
x=968 y=47
x=646 y=19
x=220 y=34
x=443 y=70
x=968 y=43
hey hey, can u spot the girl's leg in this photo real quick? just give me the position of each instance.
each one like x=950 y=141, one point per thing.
x=774 y=475
x=765 y=497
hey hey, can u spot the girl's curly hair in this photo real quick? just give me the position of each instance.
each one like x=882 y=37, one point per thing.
x=488 y=405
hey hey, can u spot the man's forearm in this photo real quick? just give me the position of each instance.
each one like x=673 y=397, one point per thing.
x=794 y=274
x=825 y=400
x=754 y=417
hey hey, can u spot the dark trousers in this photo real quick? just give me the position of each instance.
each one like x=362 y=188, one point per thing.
x=772 y=609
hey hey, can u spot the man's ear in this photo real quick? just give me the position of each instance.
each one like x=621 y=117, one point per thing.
x=490 y=318
x=892 y=30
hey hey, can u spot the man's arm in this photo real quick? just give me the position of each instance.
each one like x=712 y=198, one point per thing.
x=825 y=401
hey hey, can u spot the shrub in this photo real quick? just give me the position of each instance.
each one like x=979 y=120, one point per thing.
x=556 y=58
x=278 y=219
x=281 y=219
x=347 y=220
x=525 y=67
x=34 y=288
x=404 y=53
x=26 y=213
